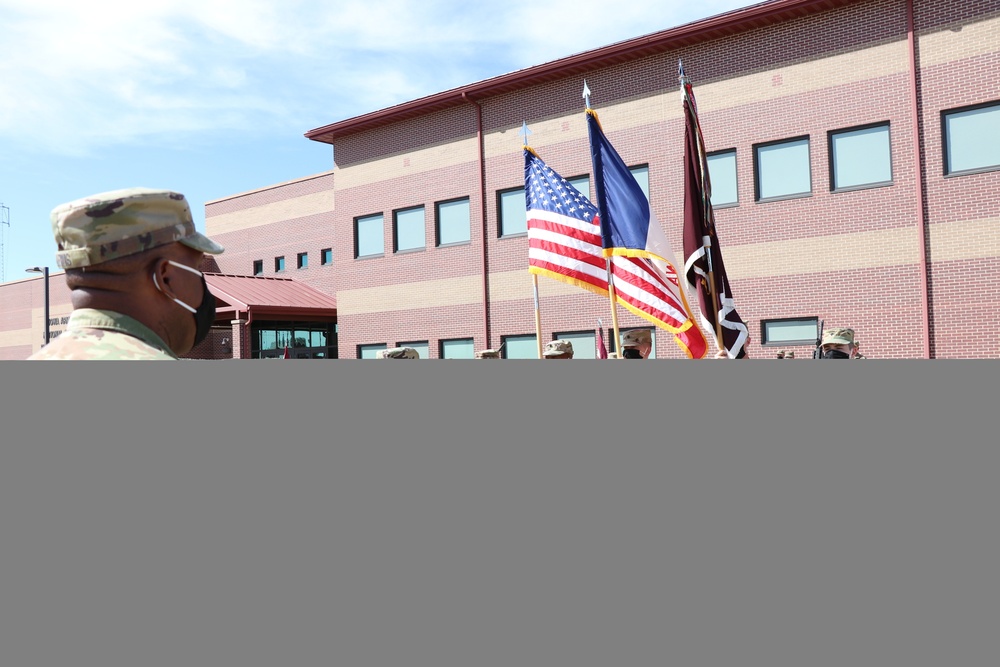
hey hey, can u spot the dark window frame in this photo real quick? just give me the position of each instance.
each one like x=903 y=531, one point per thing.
x=280 y=260
x=326 y=256
x=756 y=168
x=437 y=222
x=499 y=203
x=357 y=237
x=765 y=342
x=736 y=169
x=395 y=229
x=258 y=267
x=442 y=341
x=302 y=260
x=830 y=157
x=944 y=139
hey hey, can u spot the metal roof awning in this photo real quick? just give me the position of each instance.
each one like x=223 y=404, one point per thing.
x=258 y=297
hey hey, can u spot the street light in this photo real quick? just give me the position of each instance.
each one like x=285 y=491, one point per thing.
x=44 y=270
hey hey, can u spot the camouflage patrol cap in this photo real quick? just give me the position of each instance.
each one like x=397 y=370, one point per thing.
x=399 y=353
x=838 y=337
x=488 y=354
x=789 y=354
x=637 y=337
x=118 y=223
x=557 y=348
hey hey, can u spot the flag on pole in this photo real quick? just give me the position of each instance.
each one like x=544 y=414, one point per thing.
x=564 y=236
x=287 y=356
x=602 y=352
x=704 y=271
x=646 y=280
x=564 y=243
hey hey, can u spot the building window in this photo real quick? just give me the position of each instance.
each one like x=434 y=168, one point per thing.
x=369 y=239
x=859 y=157
x=971 y=138
x=302 y=260
x=584 y=343
x=782 y=169
x=513 y=212
x=326 y=256
x=370 y=351
x=421 y=346
x=408 y=229
x=581 y=183
x=520 y=347
x=279 y=264
x=304 y=340
x=452 y=221
x=789 y=331
x=457 y=348
x=722 y=174
x=612 y=347
x=258 y=267
x=641 y=175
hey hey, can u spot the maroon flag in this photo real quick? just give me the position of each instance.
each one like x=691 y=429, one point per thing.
x=704 y=272
x=602 y=352
x=287 y=356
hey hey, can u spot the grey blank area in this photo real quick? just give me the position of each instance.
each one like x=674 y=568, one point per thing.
x=370 y=526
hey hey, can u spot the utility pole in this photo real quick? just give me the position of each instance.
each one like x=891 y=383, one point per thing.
x=4 y=220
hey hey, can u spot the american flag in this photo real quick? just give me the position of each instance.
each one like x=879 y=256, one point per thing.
x=564 y=243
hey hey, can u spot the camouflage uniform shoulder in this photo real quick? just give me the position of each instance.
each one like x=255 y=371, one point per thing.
x=104 y=335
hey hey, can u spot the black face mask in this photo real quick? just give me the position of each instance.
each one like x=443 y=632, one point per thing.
x=835 y=354
x=631 y=353
x=204 y=316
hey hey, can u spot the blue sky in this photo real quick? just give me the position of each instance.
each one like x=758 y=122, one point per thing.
x=212 y=97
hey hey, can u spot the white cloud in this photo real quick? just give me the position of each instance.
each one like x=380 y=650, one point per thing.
x=76 y=76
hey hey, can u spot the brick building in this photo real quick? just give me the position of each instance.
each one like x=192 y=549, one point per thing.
x=855 y=158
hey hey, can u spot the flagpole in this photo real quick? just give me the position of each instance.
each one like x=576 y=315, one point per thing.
x=706 y=241
x=614 y=309
x=538 y=316
x=607 y=260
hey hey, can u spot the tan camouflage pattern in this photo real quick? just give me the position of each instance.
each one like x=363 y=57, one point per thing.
x=558 y=348
x=838 y=337
x=399 y=353
x=104 y=335
x=488 y=354
x=118 y=223
x=637 y=337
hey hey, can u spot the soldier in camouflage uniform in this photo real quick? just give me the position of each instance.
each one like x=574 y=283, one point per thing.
x=399 y=353
x=838 y=344
x=558 y=349
x=131 y=259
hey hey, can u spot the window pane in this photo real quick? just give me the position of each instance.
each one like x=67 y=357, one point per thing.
x=370 y=239
x=973 y=139
x=326 y=256
x=462 y=348
x=783 y=169
x=861 y=157
x=370 y=351
x=722 y=173
x=317 y=339
x=513 y=214
x=520 y=347
x=421 y=346
x=582 y=184
x=641 y=175
x=453 y=222
x=303 y=260
x=410 y=229
x=258 y=267
x=268 y=339
x=279 y=263
x=786 y=331
x=584 y=344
